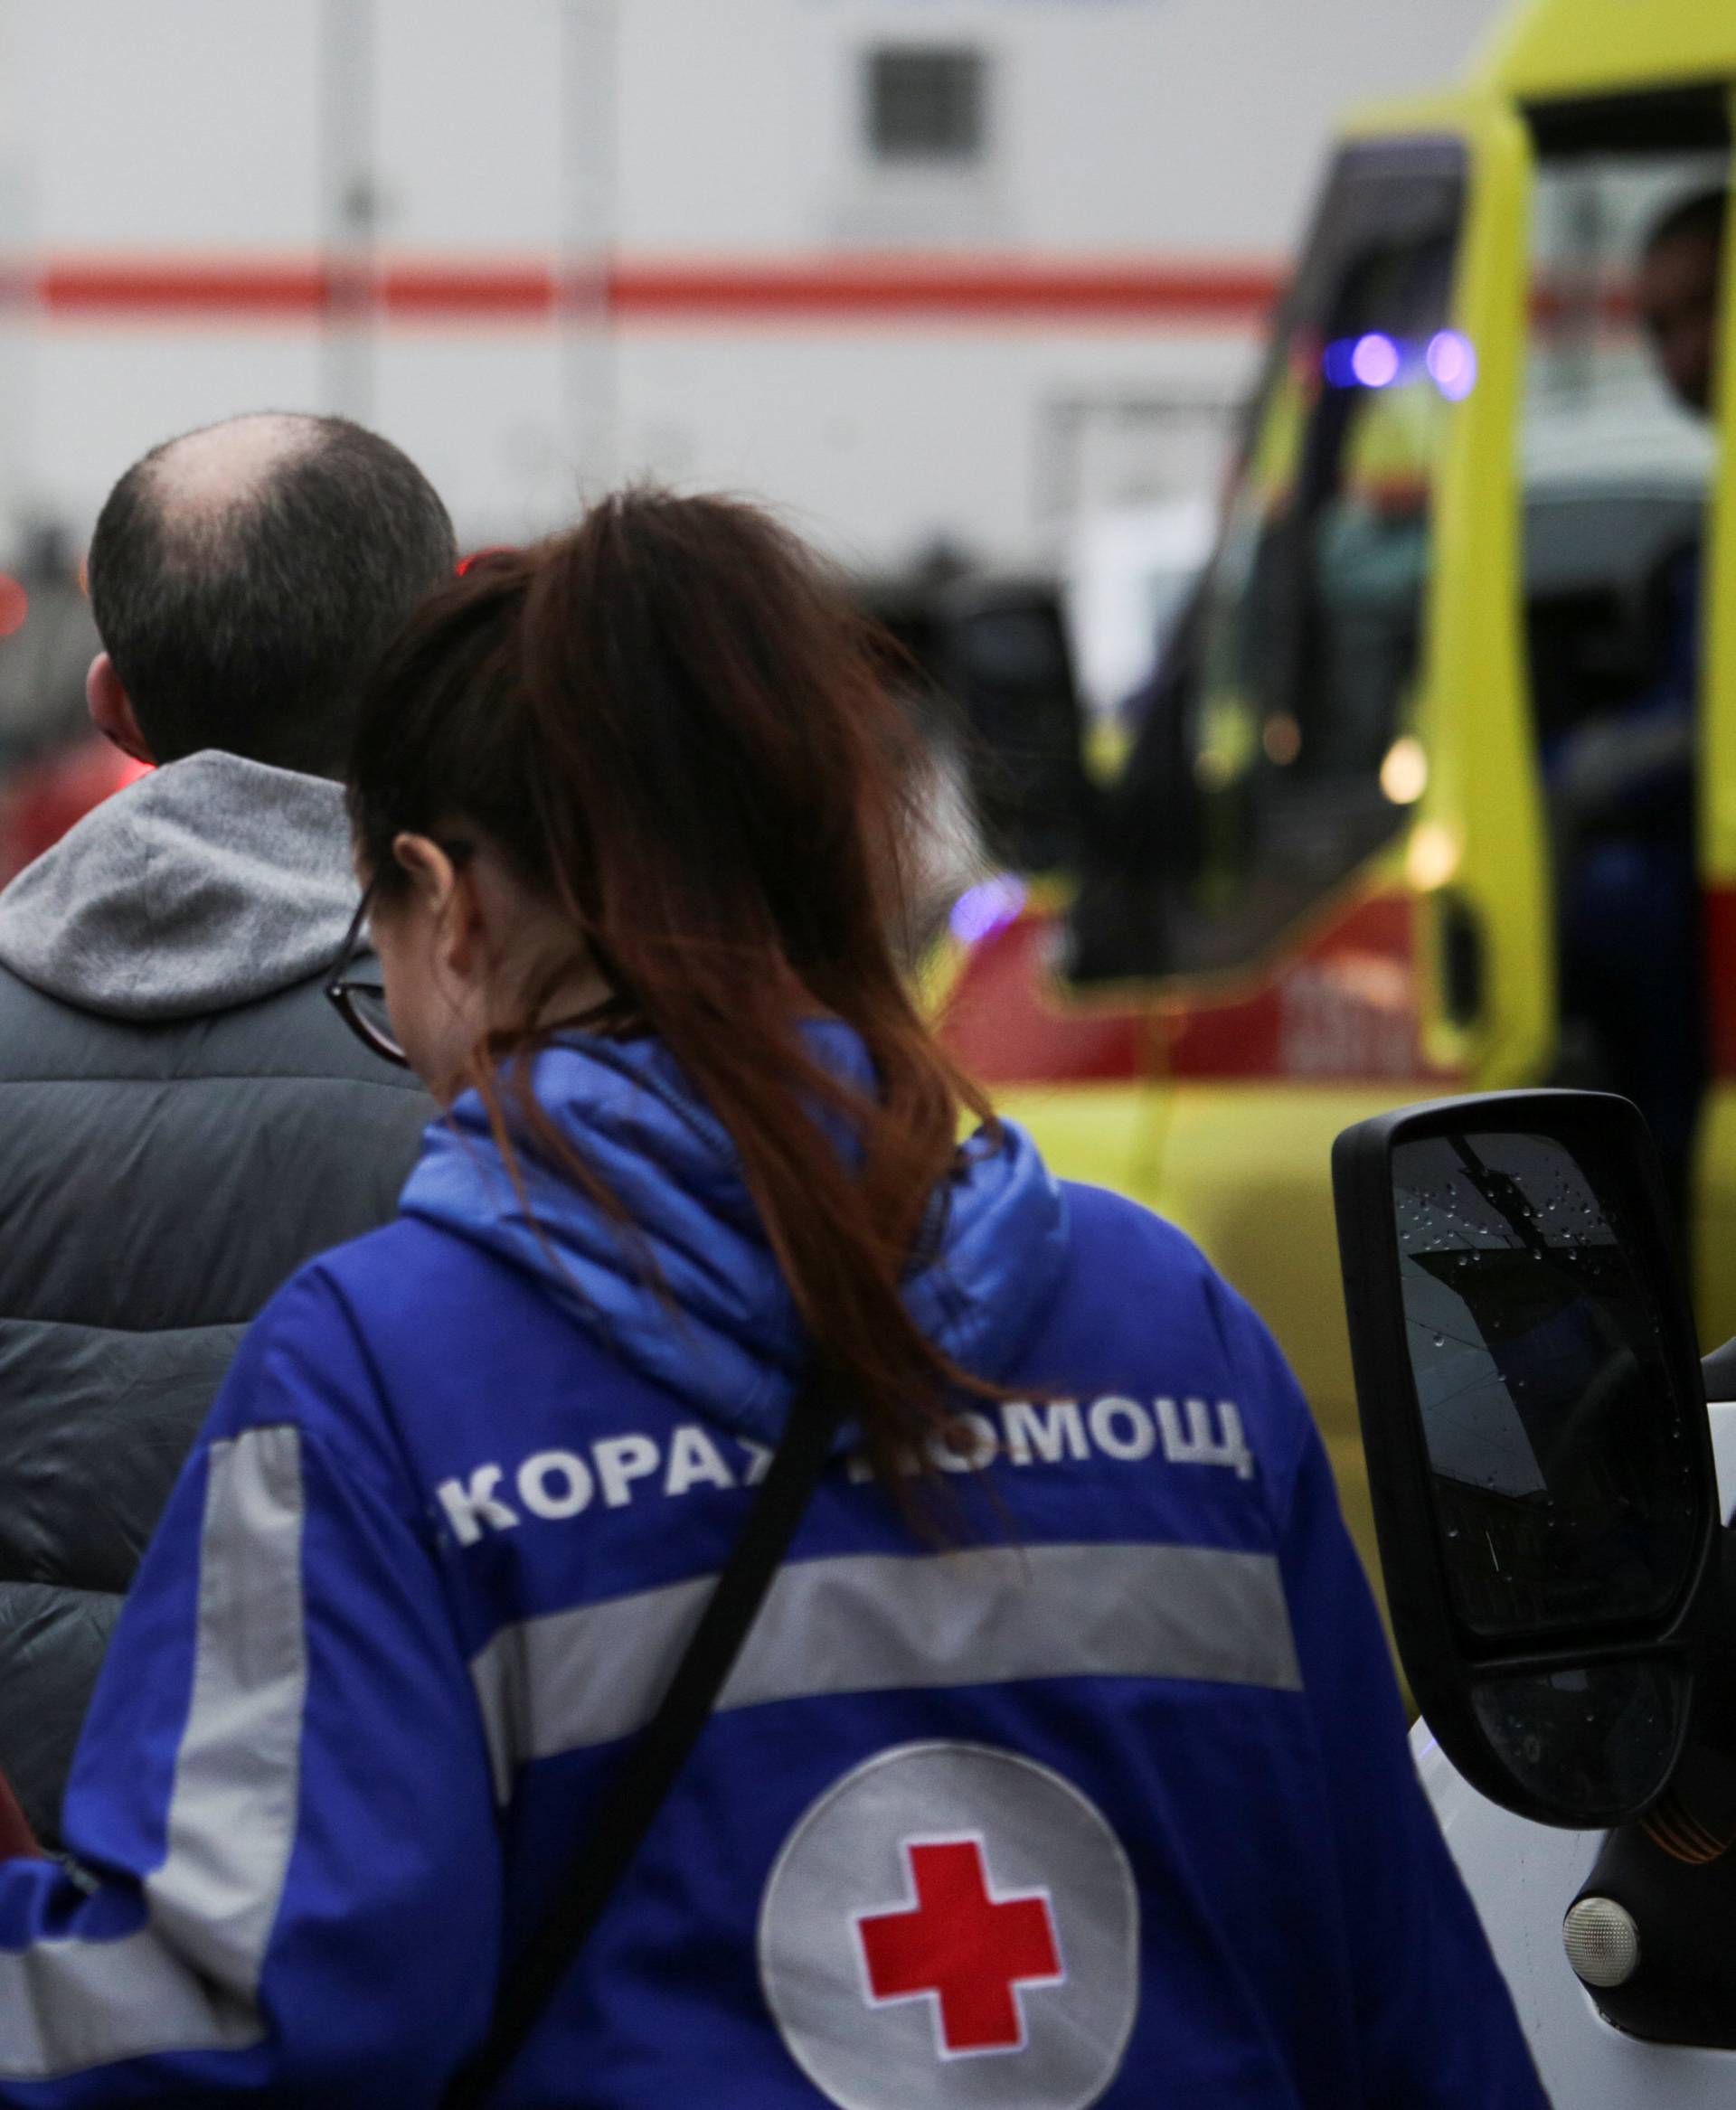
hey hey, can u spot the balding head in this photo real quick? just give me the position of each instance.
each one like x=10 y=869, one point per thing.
x=245 y=577
x=210 y=472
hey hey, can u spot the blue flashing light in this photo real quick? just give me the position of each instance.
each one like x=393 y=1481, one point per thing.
x=1372 y=361
x=990 y=906
x=1375 y=360
x=1451 y=360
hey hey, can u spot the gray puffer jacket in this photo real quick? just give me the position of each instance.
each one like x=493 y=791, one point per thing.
x=183 y=1120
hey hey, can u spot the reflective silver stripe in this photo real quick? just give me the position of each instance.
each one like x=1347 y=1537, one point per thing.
x=876 y=1623
x=186 y=1980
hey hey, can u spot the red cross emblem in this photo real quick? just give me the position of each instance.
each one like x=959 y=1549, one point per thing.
x=960 y=1946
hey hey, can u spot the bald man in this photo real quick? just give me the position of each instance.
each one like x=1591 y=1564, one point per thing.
x=184 y=1119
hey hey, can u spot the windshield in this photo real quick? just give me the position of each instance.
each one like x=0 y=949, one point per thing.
x=1310 y=641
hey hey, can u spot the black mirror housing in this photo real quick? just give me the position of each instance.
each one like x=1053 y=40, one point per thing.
x=1002 y=653
x=1539 y=1453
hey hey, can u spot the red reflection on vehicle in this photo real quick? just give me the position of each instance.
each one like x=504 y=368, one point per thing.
x=43 y=800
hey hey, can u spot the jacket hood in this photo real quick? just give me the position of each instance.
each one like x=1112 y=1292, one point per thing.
x=731 y=1344
x=210 y=883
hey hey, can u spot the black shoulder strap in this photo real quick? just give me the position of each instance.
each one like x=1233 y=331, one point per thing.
x=650 y=1769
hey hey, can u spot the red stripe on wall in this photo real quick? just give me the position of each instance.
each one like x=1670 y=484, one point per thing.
x=642 y=290
x=78 y=291
x=495 y=293
x=955 y=291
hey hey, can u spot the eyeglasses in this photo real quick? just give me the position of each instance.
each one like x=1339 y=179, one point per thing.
x=355 y=987
x=357 y=992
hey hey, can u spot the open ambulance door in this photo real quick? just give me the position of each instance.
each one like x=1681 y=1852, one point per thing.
x=1339 y=789
x=1627 y=659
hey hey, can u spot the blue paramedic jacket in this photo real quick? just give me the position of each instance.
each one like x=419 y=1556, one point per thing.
x=1103 y=1798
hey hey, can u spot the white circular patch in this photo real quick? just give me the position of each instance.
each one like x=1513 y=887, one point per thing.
x=949 y=1926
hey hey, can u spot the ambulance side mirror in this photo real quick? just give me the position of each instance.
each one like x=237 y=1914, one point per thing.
x=1004 y=655
x=1538 y=1447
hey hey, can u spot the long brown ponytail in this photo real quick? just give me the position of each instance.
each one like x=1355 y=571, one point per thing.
x=672 y=724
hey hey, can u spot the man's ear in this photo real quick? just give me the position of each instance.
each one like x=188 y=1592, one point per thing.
x=111 y=709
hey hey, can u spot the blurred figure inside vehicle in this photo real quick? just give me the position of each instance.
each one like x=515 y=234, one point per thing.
x=1622 y=782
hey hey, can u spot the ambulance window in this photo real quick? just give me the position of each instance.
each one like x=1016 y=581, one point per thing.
x=1618 y=446
x=1309 y=639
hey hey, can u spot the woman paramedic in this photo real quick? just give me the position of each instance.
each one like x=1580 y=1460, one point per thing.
x=1063 y=1765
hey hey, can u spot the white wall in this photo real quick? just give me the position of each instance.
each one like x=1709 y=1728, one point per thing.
x=1166 y=130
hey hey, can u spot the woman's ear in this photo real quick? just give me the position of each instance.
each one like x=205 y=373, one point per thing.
x=429 y=868
x=444 y=891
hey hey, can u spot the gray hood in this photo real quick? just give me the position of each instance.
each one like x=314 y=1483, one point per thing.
x=210 y=883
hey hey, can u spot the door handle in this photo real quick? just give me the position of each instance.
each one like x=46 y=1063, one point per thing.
x=1464 y=964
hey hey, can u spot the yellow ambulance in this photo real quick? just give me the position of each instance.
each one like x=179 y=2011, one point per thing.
x=1481 y=535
